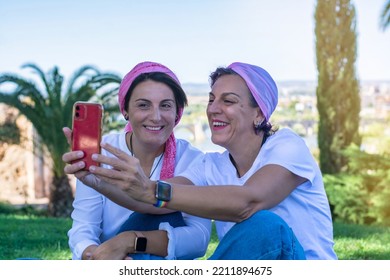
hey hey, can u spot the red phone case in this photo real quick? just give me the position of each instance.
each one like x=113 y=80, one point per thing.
x=87 y=130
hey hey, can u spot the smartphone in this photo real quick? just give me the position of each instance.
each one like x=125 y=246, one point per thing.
x=87 y=122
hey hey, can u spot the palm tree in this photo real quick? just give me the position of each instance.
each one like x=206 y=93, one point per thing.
x=49 y=110
x=385 y=16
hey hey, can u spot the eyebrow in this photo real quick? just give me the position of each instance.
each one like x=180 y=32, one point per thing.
x=148 y=100
x=226 y=94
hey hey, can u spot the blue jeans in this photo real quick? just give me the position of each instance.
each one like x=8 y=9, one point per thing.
x=146 y=222
x=263 y=236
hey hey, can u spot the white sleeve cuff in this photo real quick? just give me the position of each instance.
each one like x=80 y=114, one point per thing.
x=171 y=240
x=80 y=247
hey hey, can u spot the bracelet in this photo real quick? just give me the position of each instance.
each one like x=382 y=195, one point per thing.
x=160 y=203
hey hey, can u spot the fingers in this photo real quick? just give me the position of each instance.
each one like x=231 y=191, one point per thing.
x=74 y=168
x=105 y=172
x=88 y=256
x=121 y=161
x=72 y=156
x=115 y=151
x=73 y=165
x=68 y=134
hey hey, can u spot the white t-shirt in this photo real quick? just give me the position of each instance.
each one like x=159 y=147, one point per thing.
x=97 y=219
x=306 y=210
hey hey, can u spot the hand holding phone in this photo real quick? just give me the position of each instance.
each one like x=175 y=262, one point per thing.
x=87 y=130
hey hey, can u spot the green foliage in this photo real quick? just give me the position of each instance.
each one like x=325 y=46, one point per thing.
x=49 y=108
x=338 y=100
x=26 y=210
x=112 y=119
x=385 y=16
x=9 y=133
x=361 y=194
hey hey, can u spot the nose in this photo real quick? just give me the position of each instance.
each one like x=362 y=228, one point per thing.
x=156 y=114
x=213 y=107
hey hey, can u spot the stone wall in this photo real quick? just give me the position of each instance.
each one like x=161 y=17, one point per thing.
x=24 y=171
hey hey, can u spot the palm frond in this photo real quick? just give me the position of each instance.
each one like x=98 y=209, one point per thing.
x=385 y=16
x=39 y=72
x=80 y=73
x=25 y=89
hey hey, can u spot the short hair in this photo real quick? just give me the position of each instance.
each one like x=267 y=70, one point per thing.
x=266 y=126
x=178 y=92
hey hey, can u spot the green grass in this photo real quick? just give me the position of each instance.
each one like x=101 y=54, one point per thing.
x=34 y=236
x=356 y=242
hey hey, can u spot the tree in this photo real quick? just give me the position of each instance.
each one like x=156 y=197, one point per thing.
x=385 y=16
x=49 y=109
x=338 y=100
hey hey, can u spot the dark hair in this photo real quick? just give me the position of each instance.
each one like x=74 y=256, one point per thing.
x=178 y=92
x=265 y=126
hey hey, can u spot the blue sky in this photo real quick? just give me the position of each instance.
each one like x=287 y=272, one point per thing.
x=191 y=37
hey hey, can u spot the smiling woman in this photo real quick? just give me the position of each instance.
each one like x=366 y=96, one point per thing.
x=152 y=101
x=265 y=192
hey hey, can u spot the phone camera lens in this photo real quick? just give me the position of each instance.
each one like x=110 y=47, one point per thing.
x=77 y=107
x=77 y=114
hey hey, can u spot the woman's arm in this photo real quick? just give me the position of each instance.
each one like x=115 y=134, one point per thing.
x=169 y=242
x=75 y=165
x=86 y=220
x=118 y=247
x=266 y=188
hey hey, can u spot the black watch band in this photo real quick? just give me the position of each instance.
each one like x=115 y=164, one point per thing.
x=140 y=242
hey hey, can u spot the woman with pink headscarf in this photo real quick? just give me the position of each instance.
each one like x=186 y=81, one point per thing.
x=265 y=192
x=151 y=100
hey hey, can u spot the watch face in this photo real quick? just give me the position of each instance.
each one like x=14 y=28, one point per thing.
x=163 y=191
x=140 y=244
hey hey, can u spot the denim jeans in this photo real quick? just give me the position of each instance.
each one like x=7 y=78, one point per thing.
x=146 y=222
x=263 y=236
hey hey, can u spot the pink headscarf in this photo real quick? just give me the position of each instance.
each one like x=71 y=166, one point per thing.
x=168 y=166
x=260 y=84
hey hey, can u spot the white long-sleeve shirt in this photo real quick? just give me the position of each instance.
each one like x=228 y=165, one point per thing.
x=97 y=219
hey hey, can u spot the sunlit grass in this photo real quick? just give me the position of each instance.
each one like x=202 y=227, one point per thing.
x=354 y=242
x=34 y=237
x=24 y=236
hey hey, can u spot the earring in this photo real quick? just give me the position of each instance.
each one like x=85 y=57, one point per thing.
x=257 y=124
x=126 y=117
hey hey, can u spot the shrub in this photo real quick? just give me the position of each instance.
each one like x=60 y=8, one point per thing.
x=361 y=193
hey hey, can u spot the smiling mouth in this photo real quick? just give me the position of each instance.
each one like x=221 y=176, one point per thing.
x=154 y=128
x=219 y=124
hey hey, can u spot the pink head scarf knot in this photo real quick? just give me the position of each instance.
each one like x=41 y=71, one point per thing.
x=168 y=166
x=260 y=84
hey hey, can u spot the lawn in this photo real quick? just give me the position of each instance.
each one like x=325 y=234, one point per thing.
x=27 y=236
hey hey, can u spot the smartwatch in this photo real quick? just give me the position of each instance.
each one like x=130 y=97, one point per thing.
x=140 y=242
x=163 y=193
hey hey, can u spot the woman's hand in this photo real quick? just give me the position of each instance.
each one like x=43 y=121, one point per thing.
x=116 y=248
x=126 y=174
x=123 y=184
x=75 y=164
x=88 y=252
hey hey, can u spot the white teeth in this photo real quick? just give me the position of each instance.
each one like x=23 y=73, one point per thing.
x=219 y=123
x=153 y=128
